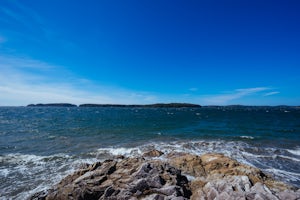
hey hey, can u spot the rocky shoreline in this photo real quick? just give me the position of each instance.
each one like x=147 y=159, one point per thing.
x=177 y=176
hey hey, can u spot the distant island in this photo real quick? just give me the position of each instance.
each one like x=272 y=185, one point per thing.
x=157 y=105
x=161 y=105
x=52 y=105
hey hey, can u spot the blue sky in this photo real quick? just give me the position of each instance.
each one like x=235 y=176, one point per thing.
x=109 y=51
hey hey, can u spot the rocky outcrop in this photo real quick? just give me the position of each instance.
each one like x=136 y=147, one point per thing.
x=178 y=176
x=130 y=178
x=219 y=177
x=153 y=153
x=212 y=164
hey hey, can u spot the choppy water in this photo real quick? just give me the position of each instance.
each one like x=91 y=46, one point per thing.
x=39 y=146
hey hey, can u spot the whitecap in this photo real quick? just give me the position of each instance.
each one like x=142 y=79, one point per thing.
x=22 y=159
x=38 y=172
x=290 y=158
x=247 y=137
x=295 y=152
x=285 y=174
x=4 y=172
x=115 y=151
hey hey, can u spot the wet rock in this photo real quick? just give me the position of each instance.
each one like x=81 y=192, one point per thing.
x=40 y=195
x=120 y=157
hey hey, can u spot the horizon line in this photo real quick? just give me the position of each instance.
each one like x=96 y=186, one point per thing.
x=116 y=104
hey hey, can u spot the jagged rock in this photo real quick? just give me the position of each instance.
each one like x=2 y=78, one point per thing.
x=153 y=153
x=220 y=164
x=208 y=164
x=289 y=195
x=190 y=164
x=126 y=179
x=220 y=177
x=214 y=177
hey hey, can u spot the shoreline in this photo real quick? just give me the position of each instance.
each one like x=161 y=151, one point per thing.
x=181 y=176
x=43 y=145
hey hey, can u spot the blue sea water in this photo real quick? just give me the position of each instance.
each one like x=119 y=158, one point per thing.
x=41 y=145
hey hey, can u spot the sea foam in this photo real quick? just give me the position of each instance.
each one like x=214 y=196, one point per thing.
x=295 y=152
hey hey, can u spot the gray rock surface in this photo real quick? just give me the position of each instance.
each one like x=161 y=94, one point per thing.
x=215 y=177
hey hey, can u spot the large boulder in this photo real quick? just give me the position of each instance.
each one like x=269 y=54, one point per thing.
x=219 y=177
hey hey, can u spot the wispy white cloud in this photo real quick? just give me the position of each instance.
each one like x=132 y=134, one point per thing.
x=18 y=62
x=25 y=80
x=247 y=91
x=21 y=15
x=271 y=93
x=30 y=27
x=227 y=98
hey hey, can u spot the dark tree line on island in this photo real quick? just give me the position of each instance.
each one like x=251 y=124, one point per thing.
x=163 y=105
x=157 y=105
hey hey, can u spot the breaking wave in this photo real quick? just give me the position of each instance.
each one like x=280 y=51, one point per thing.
x=24 y=175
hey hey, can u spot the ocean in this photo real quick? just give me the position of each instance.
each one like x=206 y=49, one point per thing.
x=41 y=145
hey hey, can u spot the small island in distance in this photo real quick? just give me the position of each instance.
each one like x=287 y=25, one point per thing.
x=52 y=105
x=157 y=105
